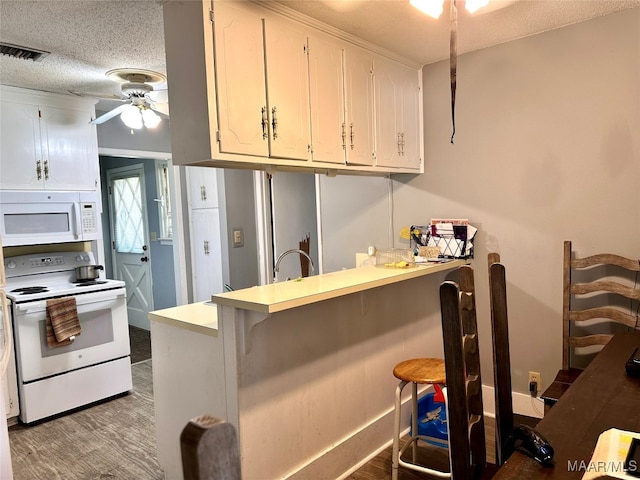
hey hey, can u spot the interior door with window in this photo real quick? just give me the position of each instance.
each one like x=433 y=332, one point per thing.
x=130 y=245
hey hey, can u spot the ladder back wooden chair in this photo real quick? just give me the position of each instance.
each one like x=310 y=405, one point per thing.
x=465 y=418
x=595 y=278
x=501 y=356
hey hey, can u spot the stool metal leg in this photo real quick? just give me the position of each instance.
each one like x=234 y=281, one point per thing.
x=414 y=420
x=396 y=432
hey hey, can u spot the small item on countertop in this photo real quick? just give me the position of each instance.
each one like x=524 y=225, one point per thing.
x=395 y=258
x=371 y=250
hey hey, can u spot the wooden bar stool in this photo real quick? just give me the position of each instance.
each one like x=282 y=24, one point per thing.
x=415 y=371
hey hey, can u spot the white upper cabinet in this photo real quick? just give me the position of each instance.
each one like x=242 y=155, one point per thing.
x=288 y=90
x=261 y=90
x=242 y=96
x=326 y=89
x=397 y=98
x=46 y=147
x=359 y=125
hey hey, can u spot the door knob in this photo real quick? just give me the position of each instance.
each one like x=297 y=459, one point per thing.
x=144 y=259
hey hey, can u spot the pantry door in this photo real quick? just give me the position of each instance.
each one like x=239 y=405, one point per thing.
x=130 y=240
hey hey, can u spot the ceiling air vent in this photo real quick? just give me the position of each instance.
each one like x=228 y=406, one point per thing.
x=22 y=52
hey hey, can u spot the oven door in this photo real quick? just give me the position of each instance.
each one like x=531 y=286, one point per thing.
x=104 y=337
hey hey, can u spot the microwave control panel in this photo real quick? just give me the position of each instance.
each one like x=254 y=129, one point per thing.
x=89 y=217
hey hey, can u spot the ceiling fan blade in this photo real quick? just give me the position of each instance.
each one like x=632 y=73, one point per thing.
x=159 y=96
x=109 y=115
x=162 y=109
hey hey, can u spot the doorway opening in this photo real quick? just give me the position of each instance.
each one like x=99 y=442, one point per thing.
x=136 y=221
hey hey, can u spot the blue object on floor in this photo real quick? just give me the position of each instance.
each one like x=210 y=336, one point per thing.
x=432 y=421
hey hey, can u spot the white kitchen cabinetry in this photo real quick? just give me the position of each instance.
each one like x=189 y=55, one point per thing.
x=397 y=94
x=206 y=253
x=326 y=89
x=252 y=122
x=359 y=124
x=10 y=387
x=206 y=247
x=266 y=88
x=47 y=146
x=203 y=187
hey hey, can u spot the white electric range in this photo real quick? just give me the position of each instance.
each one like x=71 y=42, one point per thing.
x=96 y=365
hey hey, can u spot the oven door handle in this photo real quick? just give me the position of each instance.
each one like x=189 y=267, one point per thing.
x=85 y=299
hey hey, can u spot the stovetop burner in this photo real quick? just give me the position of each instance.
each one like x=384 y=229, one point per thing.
x=29 y=290
x=82 y=283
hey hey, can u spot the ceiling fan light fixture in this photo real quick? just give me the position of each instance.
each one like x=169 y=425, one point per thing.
x=131 y=117
x=150 y=118
x=475 y=5
x=433 y=8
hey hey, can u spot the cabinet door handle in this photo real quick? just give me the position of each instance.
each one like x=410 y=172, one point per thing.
x=46 y=169
x=399 y=145
x=39 y=170
x=351 y=134
x=203 y=192
x=206 y=247
x=402 y=144
x=344 y=136
x=274 y=123
x=265 y=122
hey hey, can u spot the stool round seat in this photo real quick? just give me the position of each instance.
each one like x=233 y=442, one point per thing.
x=414 y=371
x=421 y=370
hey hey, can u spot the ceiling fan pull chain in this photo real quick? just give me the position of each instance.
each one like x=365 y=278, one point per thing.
x=453 y=63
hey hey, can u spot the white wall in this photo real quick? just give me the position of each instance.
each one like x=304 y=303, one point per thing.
x=547 y=149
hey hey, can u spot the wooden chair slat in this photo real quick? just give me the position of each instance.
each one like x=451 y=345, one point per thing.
x=501 y=355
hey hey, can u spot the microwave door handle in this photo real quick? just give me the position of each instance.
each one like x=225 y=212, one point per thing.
x=76 y=224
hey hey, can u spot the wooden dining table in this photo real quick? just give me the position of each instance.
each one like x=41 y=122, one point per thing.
x=602 y=397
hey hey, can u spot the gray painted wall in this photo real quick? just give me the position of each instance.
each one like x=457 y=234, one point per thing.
x=546 y=150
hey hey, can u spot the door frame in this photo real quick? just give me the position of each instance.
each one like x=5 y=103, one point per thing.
x=134 y=169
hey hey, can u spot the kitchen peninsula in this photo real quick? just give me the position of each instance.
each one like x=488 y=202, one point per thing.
x=303 y=369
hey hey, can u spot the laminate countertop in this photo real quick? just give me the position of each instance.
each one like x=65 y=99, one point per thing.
x=276 y=297
x=199 y=317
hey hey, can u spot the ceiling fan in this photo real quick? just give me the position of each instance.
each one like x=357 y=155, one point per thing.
x=144 y=106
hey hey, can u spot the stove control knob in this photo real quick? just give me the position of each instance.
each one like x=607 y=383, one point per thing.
x=79 y=258
x=11 y=264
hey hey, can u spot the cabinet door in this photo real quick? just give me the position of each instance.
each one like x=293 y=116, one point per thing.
x=20 y=147
x=240 y=81
x=206 y=254
x=388 y=95
x=203 y=187
x=288 y=90
x=410 y=111
x=360 y=139
x=397 y=115
x=326 y=89
x=70 y=149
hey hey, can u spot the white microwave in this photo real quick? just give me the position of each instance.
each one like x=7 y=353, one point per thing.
x=40 y=217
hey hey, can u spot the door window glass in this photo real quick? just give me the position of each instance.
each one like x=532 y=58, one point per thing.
x=127 y=198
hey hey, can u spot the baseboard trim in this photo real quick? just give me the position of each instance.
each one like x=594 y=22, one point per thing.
x=367 y=442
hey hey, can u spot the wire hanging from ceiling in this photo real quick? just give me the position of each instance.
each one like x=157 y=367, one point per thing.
x=453 y=62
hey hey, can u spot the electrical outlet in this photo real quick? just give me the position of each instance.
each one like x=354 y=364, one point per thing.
x=535 y=383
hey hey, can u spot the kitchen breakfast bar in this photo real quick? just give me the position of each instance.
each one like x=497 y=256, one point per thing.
x=302 y=369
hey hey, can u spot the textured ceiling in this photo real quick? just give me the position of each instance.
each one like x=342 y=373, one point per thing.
x=86 y=38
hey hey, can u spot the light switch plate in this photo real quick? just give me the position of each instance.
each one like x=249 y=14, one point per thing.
x=238 y=237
